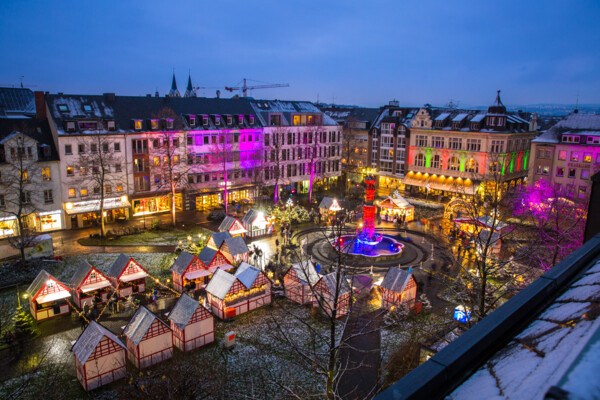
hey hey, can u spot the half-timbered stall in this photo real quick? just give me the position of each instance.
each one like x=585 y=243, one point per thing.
x=48 y=297
x=232 y=225
x=256 y=223
x=100 y=357
x=149 y=339
x=299 y=282
x=193 y=325
x=88 y=283
x=186 y=269
x=325 y=291
x=128 y=276
x=216 y=239
x=329 y=206
x=230 y=295
x=213 y=259
x=396 y=208
x=235 y=249
x=398 y=286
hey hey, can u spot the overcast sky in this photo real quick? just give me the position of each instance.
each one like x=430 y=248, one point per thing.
x=356 y=52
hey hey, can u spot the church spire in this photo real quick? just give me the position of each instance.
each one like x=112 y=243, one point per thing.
x=174 y=92
x=190 y=92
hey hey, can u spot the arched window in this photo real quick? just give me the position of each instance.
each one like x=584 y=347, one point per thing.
x=420 y=160
x=472 y=165
x=453 y=164
x=494 y=167
x=437 y=163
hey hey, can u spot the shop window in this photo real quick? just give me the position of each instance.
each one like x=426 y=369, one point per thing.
x=454 y=164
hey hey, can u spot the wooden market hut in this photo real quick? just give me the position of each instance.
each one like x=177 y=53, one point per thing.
x=299 y=282
x=232 y=225
x=188 y=268
x=48 y=297
x=128 y=276
x=256 y=223
x=88 y=283
x=470 y=225
x=213 y=259
x=216 y=239
x=325 y=290
x=149 y=339
x=235 y=249
x=398 y=286
x=100 y=357
x=193 y=325
x=396 y=208
x=328 y=207
x=234 y=294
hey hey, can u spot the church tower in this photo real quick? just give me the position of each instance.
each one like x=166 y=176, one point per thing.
x=174 y=92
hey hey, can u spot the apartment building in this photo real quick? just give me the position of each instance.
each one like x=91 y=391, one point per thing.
x=568 y=154
x=456 y=151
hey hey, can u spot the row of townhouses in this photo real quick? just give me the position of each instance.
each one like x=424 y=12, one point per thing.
x=60 y=153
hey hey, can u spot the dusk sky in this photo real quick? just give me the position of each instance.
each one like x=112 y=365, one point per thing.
x=356 y=52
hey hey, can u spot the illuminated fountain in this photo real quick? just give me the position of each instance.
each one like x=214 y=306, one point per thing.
x=367 y=242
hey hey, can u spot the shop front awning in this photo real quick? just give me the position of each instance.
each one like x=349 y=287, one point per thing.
x=197 y=274
x=133 y=277
x=63 y=294
x=454 y=185
x=224 y=267
x=94 y=205
x=95 y=286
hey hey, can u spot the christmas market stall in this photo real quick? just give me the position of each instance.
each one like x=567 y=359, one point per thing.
x=193 y=325
x=325 y=291
x=328 y=207
x=189 y=272
x=470 y=225
x=149 y=339
x=216 y=239
x=214 y=259
x=88 y=283
x=299 y=282
x=48 y=297
x=230 y=295
x=232 y=225
x=235 y=249
x=128 y=276
x=100 y=357
x=398 y=286
x=396 y=208
x=256 y=223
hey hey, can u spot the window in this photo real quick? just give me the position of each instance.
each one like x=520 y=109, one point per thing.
x=117 y=147
x=105 y=147
x=26 y=197
x=192 y=120
x=81 y=148
x=593 y=140
x=562 y=155
x=560 y=171
x=175 y=159
x=140 y=146
x=572 y=172
x=63 y=108
x=71 y=126
x=205 y=120
x=217 y=120
x=587 y=157
x=495 y=168
x=46 y=174
x=296 y=120
x=108 y=189
x=153 y=124
x=87 y=107
x=48 y=199
x=2 y=201
x=137 y=124
x=119 y=187
x=474 y=144
x=111 y=125
x=170 y=124
x=81 y=170
x=251 y=119
x=266 y=140
x=24 y=175
x=175 y=142
x=497 y=146
x=96 y=189
x=70 y=171
x=71 y=192
x=421 y=141
x=574 y=156
x=436 y=163
x=94 y=148
x=118 y=168
x=420 y=160
x=83 y=192
x=570 y=139
x=455 y=143
x=472 y=165
x=585 y=174
x=582 y=192
x=190 y=140
x=438 y=142
x=139 y=165
x=68 y=149
x=453 y=164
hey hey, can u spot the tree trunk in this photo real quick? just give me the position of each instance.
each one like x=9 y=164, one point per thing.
x=173 y=217
x=22 y=235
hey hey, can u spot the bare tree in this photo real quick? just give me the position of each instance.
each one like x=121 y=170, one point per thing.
x=168 y=166
x=312 y=138
x=94 y=165
x=222 y=155
x=20 y=183
x=276 y=158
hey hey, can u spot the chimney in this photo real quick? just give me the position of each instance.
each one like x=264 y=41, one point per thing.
x=218 y=94
x=109 y=96
x=148 y=95
x=40 y=105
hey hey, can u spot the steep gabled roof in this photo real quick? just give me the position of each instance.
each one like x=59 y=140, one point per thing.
x=119 y=265
x=250 y=217
x=16 y=101
x=237 y=245
x=306 y=272
x=90 y=338
x=207 y=254
x=219 y=237
x=330 y=282
x=220 y=283
x=181 y=263
x=247 y=274
x=396 y=280
x=39 y=282
x=81 y=273
x=139 y=324
x=183 y=311
x=226 y=223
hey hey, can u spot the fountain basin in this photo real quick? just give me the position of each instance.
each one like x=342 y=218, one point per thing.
x=383 y=246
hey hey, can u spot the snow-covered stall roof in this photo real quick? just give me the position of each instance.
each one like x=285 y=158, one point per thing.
x=330 y=281
x=88 y=340
x=398 y=202
x=219 y=237
x=139 y=324
x=183 y=311
x=330 y=203
x=251 y=216
x=40 y=281
x=396 y=279
x=181 y=263
x=119 y=265
x=82 y=272
x=306 y=272
x=220 y=283
x=247 y=274
x=207 y=254
x=237 y=245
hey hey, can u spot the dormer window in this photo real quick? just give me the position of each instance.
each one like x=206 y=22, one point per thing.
x=217 y=120
x=241 y=119
x=137 y=124
x=88 y=125
x=205 y=120
x=229 y=120
x=169 y=124
x=192 y=120
x=153 y=124
x=251 y=119
x=570 y=139
x=71 y=126
x=63 y=108
x=111 y=125
x=87 y=108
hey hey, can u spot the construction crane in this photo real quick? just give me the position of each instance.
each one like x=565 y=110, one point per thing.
x=244 y=88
